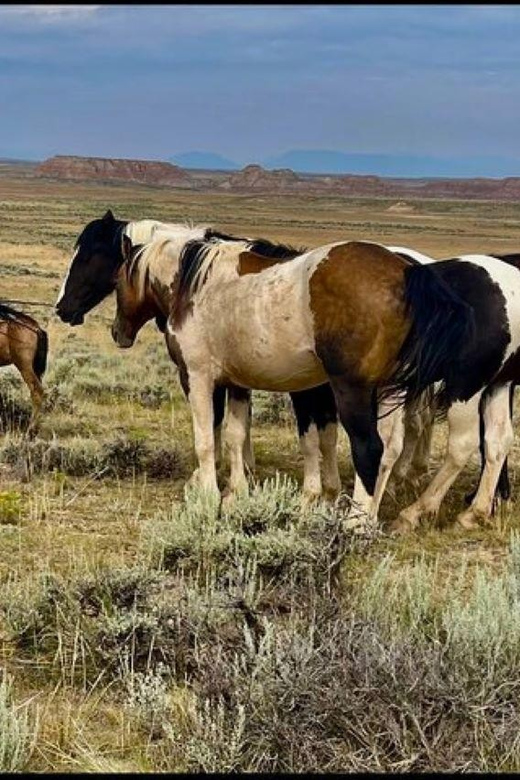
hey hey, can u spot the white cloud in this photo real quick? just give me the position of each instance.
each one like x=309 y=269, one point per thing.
x=49 y=13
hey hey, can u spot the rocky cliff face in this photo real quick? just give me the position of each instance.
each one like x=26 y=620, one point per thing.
x=108 y=169
x=255 y=179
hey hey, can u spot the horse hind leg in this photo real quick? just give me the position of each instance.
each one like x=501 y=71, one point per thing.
x=37 y=396
x=357 y=408
x=315 y=412
x=463 y=437
x=498 y=438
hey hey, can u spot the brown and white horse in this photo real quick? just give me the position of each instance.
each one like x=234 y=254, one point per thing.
x=24 y=344
x=102 y=261
x=143 y=292
x=337 y=312
x=456 y=322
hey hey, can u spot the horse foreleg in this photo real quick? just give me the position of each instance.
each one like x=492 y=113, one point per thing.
x=316 y=417
x=219 y=406
x=236 y=434
x=330 y=479
x=201 y=402
x=249 y=455
x=463 y=439
x=357 y=407
x=498 y=438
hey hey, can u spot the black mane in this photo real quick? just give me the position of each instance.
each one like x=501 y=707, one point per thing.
x=193 y=253
x=8 y=313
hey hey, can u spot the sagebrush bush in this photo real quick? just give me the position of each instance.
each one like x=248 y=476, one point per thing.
x=400 y=669
x=17 y=731
x=272 y=408
x=120 y=456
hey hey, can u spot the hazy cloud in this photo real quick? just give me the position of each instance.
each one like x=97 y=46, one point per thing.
x=251 y=81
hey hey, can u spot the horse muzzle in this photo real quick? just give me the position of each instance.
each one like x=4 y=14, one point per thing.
x=70 y=317
x=122 y=340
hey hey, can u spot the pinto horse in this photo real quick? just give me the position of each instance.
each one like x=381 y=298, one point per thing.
x=102 y=262
x=455 y=322
x=419 y=416
x=294 y=325
x=24 y=344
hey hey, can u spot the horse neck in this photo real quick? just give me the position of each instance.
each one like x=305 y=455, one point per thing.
x=221 y=263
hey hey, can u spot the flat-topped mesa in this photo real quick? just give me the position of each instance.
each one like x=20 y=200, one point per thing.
x=112 y=169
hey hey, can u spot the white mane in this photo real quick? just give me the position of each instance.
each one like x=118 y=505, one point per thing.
x=161 y=250
x=140 y=232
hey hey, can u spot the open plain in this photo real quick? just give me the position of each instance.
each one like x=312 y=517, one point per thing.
x=141 y=631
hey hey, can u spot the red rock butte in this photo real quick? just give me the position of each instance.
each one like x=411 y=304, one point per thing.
x=110 y=169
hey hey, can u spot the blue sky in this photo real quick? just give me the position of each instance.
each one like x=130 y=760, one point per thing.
x=253 y=81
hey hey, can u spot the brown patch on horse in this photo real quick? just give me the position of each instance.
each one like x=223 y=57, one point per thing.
x=356 y=297
x=253 y=263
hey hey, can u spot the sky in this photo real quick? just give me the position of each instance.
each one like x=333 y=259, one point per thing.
x=253 y=81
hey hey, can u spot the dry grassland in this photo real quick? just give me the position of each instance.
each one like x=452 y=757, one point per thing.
x=142 y=633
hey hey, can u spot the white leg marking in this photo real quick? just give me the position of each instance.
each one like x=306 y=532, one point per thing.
x=463 y=438
x=498 y=438
x=390 y=426
x=201 y=402
x=310 y=449
x=331 y=483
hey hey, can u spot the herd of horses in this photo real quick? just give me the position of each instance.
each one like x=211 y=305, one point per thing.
x=385 y=339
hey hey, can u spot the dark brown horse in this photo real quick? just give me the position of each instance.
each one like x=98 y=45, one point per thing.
x=24 y=344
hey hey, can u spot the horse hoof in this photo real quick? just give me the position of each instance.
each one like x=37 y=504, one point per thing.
x=468 y=520
x=330 y=495
x=309 y=500
x=403 y=524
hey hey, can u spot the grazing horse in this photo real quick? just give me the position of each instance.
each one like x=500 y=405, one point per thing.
x=24 y=344
x=102 y=262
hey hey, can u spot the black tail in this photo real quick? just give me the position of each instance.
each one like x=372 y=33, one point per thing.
x=442 y=328
x=40 y=356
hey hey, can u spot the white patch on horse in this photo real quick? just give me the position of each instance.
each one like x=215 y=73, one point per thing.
x=413 y=253
x=246 y=332
x=66 y=278
x=141 y=231
x=507 y=277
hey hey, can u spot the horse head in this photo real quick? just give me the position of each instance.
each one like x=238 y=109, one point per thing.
x=134 y=304
x=92 y=272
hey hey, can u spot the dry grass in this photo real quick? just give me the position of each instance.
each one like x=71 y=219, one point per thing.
x=140 y=632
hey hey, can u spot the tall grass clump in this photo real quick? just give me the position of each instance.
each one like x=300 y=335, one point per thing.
x=17 y=731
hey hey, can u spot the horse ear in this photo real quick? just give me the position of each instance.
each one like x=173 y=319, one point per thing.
x=109 y=217
x=126 y=247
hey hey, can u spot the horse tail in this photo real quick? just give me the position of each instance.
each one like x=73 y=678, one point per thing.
x=40 y=356
x=442 y=328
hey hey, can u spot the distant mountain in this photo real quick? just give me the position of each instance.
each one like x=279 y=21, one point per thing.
x=209 y=161
x=407 y=166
